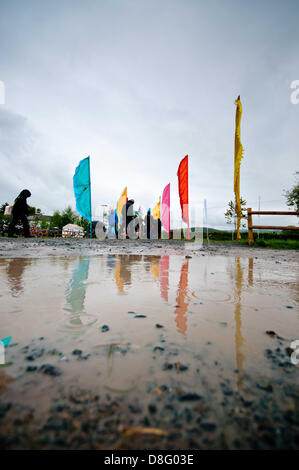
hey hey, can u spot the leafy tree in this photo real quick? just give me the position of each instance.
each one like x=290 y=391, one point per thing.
x=68 y=216
x=56 y=220
x=32 y=210
x=231 y=213
x=292 y=196
x=44 y=223
x=83 y=223
x=2 y=209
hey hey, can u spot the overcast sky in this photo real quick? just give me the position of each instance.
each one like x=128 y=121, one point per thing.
x=137 y=85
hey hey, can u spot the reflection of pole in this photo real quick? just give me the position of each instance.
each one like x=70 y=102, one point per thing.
x=182 y=300
x=239 y=340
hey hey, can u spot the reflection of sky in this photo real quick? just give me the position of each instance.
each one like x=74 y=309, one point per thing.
x=76 y=292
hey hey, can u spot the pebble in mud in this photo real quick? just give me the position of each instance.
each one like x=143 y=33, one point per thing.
x=152 y=408
x=209 y=427
x=48 y=369
x=189 y=397
x=77 y=352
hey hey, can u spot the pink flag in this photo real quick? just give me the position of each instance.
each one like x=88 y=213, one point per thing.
x=165 y=215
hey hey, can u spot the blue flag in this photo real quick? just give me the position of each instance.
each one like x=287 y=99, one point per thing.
x=81 y=182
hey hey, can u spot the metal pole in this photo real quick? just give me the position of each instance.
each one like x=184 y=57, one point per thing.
x=259 y=208
x=90 y=222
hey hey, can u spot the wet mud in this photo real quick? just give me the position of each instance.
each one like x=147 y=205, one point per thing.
x=148 y=346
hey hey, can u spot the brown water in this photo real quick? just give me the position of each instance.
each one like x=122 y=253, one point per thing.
x=214 y=310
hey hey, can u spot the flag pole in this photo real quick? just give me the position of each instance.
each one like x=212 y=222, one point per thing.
x=169 y=215
x=90 y=222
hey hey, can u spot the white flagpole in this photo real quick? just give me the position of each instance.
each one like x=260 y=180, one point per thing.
x=259 y=208
x=206 y=218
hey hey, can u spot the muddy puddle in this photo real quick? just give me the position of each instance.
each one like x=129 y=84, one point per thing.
x=134 y=351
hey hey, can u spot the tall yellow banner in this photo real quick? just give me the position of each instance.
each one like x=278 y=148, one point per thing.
x=120 y=204
x=156 y=210
x=238 y=157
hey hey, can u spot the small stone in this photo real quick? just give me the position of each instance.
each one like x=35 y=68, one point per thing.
x=48 y=369
x=83 y=358
x=181 y=367
x=77 y=352
x=159 y=326
x=189 y=397
x=140 y=316
x=134 y=409
x=289 y=306
x=270 y=333
x=158 y=348
x=167 y=366
x=31 y=369
x=105 y=328
x=266 y=388
x=209 y=427
x=152 y=408
x=30 y=358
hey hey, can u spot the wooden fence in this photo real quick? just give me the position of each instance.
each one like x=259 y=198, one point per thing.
x=250 y=213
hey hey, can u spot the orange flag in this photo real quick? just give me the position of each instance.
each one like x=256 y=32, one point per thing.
x=183 y=188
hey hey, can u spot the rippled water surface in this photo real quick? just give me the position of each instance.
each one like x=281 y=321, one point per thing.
x=216 y=306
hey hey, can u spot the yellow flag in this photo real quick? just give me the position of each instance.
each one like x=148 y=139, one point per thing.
x=120 y=204
x=156 y=210
x=237 y=163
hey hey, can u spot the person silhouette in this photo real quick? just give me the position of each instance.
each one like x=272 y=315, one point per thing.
x=19 y=212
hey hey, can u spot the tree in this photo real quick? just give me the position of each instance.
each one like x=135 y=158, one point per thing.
x=56 y=220
x=68 y=216
x=31 y=210
x=83 y=223
x=292 y=196
x=231 y=213
x=44 y=223
x=2 y=209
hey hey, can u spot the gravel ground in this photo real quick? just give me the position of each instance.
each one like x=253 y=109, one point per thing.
x=38 y=248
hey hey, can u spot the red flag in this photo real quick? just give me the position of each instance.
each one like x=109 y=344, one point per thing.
x=183 y=188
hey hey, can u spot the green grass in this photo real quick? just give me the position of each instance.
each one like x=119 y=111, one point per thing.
x=261 y=243
x=278 y=244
